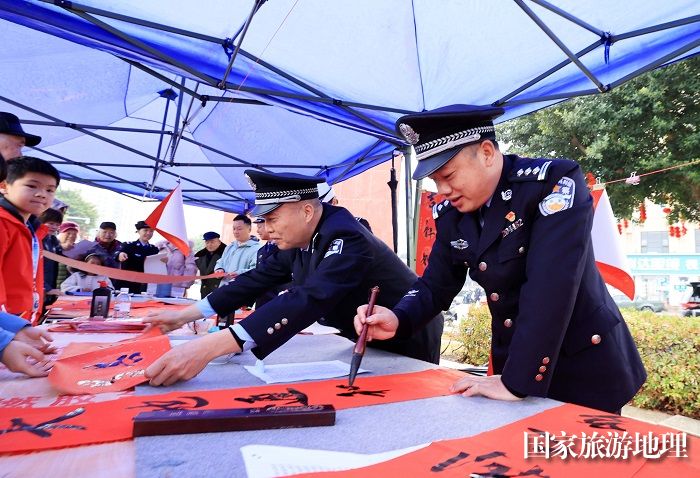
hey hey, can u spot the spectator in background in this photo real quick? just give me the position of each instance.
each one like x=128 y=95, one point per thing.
x=67 y=236
x=28 y=191
x=206 y=260
x=241 y=255
x=82 y=281
x=22 y=347
x=133 y=254
x=178 y=265
x=105 y=244
x=13 y=138
x=52 y=219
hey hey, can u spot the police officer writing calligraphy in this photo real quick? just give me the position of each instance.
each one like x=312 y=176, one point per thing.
x=332 y=261
x=521 y=228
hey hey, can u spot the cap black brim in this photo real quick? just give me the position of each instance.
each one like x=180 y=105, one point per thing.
x=262 y=209
x=428 y=166
x=31 y=139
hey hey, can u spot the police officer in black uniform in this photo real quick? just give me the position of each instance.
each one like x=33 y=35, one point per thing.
x=133 y=255
x=333 y=261
x=521 y=228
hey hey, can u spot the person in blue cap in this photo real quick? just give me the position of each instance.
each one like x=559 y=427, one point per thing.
x=521 y=228
x=333 y=261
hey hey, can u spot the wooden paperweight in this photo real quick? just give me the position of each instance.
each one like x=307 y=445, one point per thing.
x=178 y=422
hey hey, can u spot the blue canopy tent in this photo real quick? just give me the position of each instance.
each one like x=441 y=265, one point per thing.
x=135 y=95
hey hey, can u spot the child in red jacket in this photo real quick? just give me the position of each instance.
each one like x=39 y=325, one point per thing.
x=28 y=191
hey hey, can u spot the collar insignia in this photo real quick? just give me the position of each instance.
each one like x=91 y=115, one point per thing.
x=507 y=194
x=459 y=244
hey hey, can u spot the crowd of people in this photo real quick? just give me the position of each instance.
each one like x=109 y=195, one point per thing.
x=520 y=228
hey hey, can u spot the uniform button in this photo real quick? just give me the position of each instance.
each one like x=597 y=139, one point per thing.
x=595 y=340
x=521 y=249
x=543 y=369
x=285 y=321
x=494 y=297
x=278 y=326
x=482 y=266
x=508 y=323
x=539 y=377
x=270 y=331
x=545 y=360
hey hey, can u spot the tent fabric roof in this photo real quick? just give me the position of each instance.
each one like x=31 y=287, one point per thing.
x=316 y=86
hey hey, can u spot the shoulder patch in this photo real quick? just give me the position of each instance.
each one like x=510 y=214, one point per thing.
x=526 y=169
x=441 y=208
x=560 y=199
x=336 y=247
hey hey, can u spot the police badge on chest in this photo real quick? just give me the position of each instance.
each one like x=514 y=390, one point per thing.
x=515 y=224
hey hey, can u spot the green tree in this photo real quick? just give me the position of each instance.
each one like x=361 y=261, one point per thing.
x=80 y=211
x=648 y=124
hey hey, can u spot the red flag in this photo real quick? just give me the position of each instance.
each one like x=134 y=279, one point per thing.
x=169 y=220
x=609 y=257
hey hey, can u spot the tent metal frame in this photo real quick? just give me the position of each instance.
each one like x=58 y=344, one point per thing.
x=382 y=133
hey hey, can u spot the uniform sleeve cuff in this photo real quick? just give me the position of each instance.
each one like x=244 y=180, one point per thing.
x=238 y=330
x=405 y=329
x=514 y=392
x=205 y=308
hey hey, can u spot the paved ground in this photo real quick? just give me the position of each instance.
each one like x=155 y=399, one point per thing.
x=677 y=422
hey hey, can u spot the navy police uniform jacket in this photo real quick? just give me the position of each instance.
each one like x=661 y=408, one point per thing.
x=330 y=280
x=556 y=332
x=137 y=253
x=266 y=251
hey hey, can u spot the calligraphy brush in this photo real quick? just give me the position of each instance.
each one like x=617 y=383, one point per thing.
x=359 y=351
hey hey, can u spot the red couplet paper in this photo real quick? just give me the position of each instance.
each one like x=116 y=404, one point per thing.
x=110 y=369
x=567 y=441
x=30 y=429
x=426 y=229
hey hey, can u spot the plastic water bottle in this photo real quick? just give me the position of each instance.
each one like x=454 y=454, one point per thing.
x=122 y=304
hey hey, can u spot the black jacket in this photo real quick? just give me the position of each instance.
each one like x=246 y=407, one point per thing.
x=205 y=263
x=330 y=280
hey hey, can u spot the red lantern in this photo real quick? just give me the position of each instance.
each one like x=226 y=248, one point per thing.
x=619 y=228
x=678 y=231
x=667 y=210
x=684 y=230
x=626 y=223
x=642 y=213
x=671 y=231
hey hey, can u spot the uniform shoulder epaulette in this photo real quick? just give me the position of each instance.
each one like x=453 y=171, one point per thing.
x=526 y=169
x=441 y=208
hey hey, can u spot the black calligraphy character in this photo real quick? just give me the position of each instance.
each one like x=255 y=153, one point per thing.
x=428 y=231
x=41 y=430
x=450 y=461
x=424 y=259
x=488 y=456
x=605 y=422
x=157 y=405
x=354 y=390
x=124 y=360
x=293 y=396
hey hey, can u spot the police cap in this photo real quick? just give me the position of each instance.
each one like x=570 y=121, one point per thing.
x=438 y=135
x=274 y=189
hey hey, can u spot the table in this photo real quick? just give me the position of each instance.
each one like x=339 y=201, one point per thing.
x=370 y=429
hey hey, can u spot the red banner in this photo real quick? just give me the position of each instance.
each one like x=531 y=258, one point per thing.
x=120 y=274
x=108 y=369
x=567 y=441
x=426 y=229
x=31 y=429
